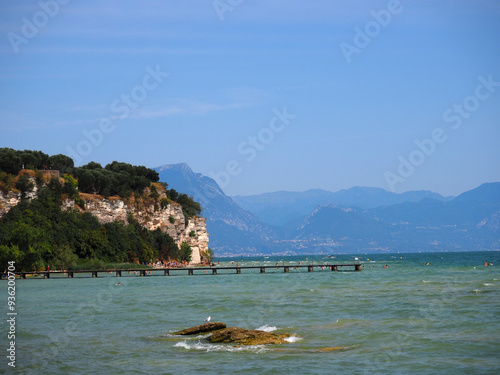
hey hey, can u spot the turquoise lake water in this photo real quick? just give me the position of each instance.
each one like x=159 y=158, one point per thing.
x=410 y=318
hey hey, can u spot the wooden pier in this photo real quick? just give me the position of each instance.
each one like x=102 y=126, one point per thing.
x=190 y=271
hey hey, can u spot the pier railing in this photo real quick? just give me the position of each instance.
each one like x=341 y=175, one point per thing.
x=193 y=270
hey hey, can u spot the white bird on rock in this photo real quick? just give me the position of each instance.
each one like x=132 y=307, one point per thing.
x=208 y=319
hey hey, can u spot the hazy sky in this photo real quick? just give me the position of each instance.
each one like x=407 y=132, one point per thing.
x=263 y=95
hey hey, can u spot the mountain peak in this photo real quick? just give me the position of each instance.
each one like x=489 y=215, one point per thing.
x=486 y=193
x=181 y=167
x=230 y=226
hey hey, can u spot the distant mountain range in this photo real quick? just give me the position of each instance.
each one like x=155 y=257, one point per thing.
x=358 y=219
x=283 y=207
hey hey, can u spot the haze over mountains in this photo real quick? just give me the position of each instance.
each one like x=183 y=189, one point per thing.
x=360 y=219
x=283 y=207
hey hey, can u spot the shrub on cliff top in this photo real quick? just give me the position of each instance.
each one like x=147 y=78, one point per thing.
x=12 y=161
x=24 y=185
x=116 y=178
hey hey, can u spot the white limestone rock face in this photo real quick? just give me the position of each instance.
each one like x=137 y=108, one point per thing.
x=153 y=217
x=196 y=236
x=12 y=198
x=7 y=201
x=169 y=219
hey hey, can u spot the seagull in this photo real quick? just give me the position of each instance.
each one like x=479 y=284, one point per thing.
x=208 y=319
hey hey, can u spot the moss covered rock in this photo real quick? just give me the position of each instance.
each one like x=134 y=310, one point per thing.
x=207 y=327
x=241 y=336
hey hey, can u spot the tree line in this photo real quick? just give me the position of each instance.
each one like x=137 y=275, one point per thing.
x=116 y=178
x=12 y=161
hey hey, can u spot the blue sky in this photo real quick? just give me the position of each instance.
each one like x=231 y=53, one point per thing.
x=261 y=95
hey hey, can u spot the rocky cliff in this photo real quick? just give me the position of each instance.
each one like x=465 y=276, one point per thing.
x=148 y=212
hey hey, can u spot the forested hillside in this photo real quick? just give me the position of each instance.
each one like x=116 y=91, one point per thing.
x=40 y=232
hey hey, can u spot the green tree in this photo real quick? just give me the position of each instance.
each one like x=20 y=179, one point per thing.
x=29 y=159
x=10 y=161
x=164 y=203
x=86 y=181
x=173 y=194
x=154 y=193
x=186 y=252
x=63 y=258
x=60 y=162
x=9 y=254
x=207 y=256
x=24 y=185
x=189 y=206
x=42 y=159
x=92 y=165
x=70 y=185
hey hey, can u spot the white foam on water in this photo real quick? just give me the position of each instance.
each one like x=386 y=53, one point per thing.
x=183 y=345
x=426 y=281
x=201 y=336
x=488 y=284
x=169 y=335
x=476 y=291
x=206 y=347
x=267 y=328
x=293 y=339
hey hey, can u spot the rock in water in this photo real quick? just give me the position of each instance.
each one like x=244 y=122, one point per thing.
x=242 y=336
x=332 y=349
x=207 y=327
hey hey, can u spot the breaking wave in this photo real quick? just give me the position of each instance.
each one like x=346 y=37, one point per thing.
x=267 y=328
x=207 y=347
